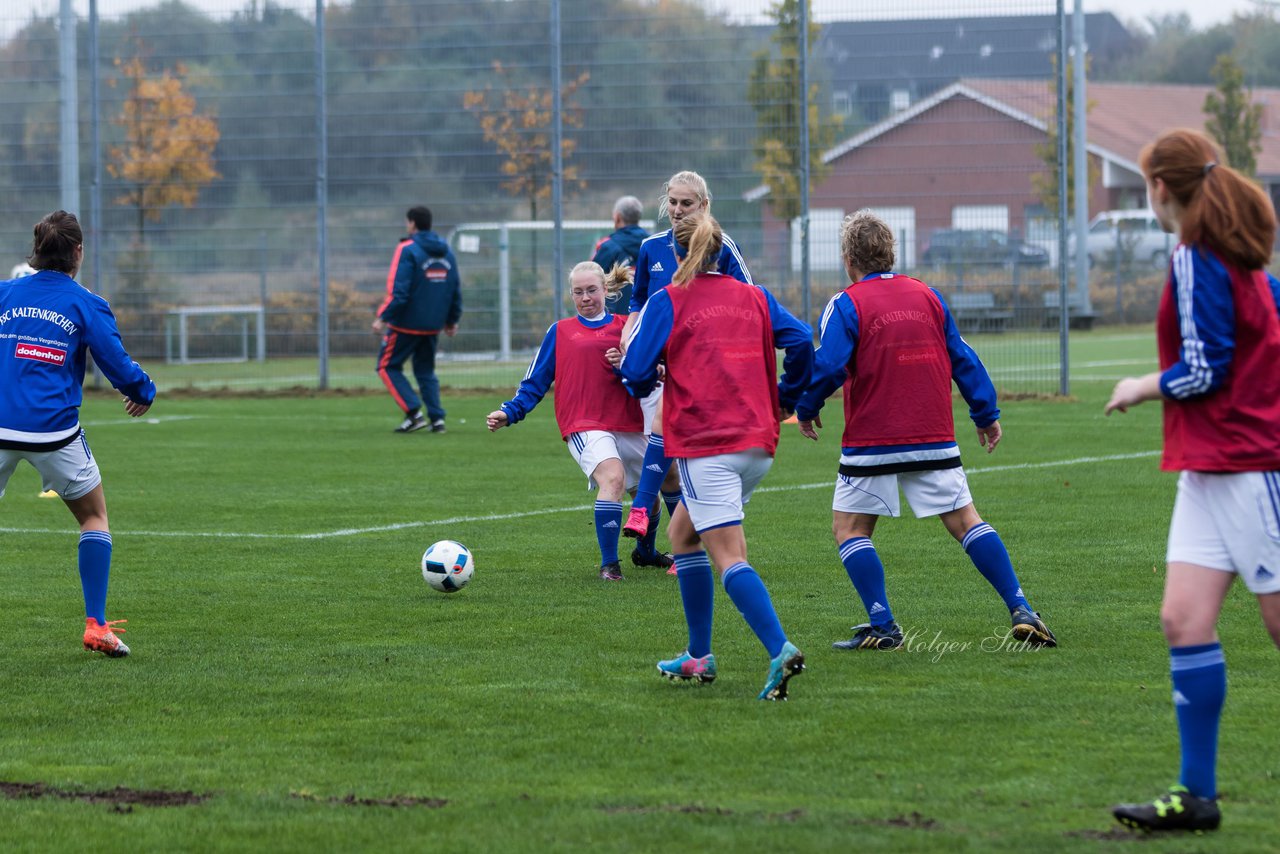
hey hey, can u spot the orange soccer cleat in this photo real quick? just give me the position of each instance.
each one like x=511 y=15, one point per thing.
x=102 y=638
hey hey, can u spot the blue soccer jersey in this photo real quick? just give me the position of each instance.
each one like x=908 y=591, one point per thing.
x=48 y=325
x=658 y=259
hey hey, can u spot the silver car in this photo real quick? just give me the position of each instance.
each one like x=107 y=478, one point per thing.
x=1128 y=238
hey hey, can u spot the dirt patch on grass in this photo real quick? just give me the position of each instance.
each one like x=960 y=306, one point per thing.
x=118 y=797
x=350 y=800
x=912 y=821
x=680 y=808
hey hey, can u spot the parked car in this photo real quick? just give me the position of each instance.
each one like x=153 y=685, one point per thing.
x=1127 y=237
x=981 y=247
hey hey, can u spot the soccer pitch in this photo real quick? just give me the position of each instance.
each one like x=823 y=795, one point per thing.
x=296 y=686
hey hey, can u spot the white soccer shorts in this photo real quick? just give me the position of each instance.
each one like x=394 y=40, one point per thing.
x=930 y=493
x=592 y=447
x=70 y=471
x=649 y=406
x=717 y=488
x=1230 y=522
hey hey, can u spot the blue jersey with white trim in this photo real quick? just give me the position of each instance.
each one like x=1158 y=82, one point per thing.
x=48 y=324
x=659 y=257
x=1207 y=323
x=1218 y=337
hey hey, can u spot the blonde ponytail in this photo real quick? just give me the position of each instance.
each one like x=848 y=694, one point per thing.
x=701 y=236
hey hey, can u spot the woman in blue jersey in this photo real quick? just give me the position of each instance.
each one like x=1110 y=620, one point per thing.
x=601 y=424
x=1218 y=337
x=685 y=193
x=718 y=336
x=48 y=324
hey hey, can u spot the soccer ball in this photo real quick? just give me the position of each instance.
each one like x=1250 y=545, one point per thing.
x=447 y=566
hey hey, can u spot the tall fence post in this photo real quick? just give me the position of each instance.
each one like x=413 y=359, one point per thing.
x=1080 y=160
x=557 y=164
x=504 y=293
x=69 y=100
x=804 y=160
x=322 y=202
x=96 y=233
x=1064 y=371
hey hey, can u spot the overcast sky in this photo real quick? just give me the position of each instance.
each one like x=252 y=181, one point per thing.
x=1203 y=13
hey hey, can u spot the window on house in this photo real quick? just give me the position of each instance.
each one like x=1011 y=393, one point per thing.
x=994 y=217
x=899 y=100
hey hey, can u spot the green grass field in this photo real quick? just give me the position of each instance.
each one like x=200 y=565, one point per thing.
x=293 y=673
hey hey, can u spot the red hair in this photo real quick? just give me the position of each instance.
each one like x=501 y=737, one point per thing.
x=1221 y=208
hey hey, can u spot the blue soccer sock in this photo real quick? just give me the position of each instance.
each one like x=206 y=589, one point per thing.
x=748 y=592
x=989 y=555
x=648 y=544
x=608 y=526
x=1199 y=690
x=94 y=558
x=652 y=473
x=867 y=574
x=672 y=500
x=697 y=593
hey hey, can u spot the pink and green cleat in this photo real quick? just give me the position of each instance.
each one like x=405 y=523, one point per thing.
x=685 y=667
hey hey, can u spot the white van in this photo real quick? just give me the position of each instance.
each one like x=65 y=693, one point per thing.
x=1129 y=236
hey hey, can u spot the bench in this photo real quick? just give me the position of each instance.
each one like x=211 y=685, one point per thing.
x=977 y=312
x=1077 y=317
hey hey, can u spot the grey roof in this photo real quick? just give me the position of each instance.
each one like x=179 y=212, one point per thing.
x=926 y=54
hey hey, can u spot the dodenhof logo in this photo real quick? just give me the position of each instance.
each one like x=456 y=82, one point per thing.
x=38 y=353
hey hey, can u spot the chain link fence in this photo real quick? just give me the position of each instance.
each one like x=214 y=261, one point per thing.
x=242 y=205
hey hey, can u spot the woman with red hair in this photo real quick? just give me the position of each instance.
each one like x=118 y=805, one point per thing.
x=1218 y=335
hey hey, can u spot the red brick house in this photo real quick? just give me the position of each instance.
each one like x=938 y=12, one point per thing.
x=965 y=156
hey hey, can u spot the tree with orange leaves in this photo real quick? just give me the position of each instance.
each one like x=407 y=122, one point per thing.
x=519 y=130
x=167 y=155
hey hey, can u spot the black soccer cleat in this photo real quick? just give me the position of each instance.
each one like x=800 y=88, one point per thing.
x=867 y=636
x=1029 y=628
x=660 y=560
x=1176 y=809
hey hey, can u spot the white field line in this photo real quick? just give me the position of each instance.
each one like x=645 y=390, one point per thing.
x=501 y=517
x=146 y=419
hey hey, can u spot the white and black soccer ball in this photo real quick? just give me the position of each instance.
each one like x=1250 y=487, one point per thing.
x=447 y=566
